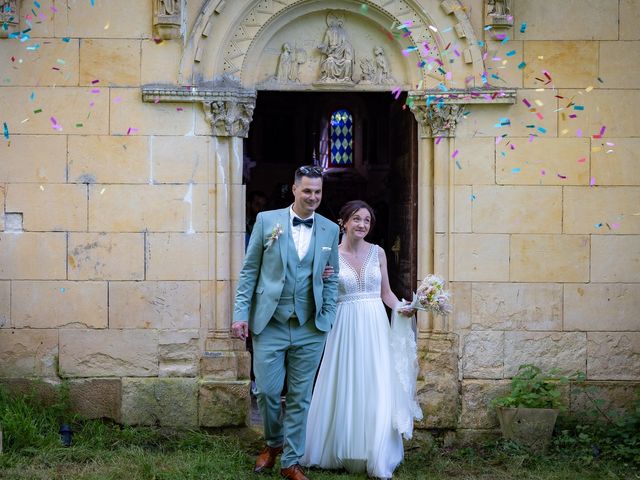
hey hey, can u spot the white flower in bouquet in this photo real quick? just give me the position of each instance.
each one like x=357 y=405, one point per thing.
x=432 y=297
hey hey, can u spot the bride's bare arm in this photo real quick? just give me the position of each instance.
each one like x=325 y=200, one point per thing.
x=388 y=297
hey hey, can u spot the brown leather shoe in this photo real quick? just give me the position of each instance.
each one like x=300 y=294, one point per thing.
x=267 y=458
x=294 y=472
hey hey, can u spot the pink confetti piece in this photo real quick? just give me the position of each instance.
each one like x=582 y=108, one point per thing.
x=117 y=100
x=179 y=109
x=54 y=124
x=563 y=177
x=615 y=226
x=131 y=130
x=592 y=182
x=539 y=115
x=396 y=92
x=526 y=102
x=438 y=140
x=543 y=172
x=582 y=160
x=93 y=82
x=156 y=100
x=455 y=154
x=95 y=90
x=579 y=133
x=602 y=129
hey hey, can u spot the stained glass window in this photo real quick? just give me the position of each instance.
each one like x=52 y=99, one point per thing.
x=341 y=139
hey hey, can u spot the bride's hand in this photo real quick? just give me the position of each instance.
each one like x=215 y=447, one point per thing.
x=327 y=272
x=406 y=309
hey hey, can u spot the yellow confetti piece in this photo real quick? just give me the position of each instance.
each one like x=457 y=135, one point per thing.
x=539 y=89
x=41 y=188
x=540 y=57
x=564 y=132
x=596 y=149
x=106 y=27
x=102 y=191
x=539 y=103
x=588 y=89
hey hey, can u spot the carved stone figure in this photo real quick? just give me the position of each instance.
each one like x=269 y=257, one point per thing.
x=284 y=64
x=300 y=58
x=498 y=13
x=230 y=117
x=168 y=18
x=9 y=16
x=376 y=71
x=337 y=65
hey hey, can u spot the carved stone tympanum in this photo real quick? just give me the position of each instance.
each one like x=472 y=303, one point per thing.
x=167 y=18
x=338 y=61
x=9 y=16
x=289 y=64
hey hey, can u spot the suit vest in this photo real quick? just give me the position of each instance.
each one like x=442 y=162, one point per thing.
x=297 y=293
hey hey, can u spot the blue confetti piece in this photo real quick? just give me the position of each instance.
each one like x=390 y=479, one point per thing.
x=32 y=97
x=472 y=197
x=92 y=3
x=523 y=27
x=505 y=40
x=542 y=130
x=515 y=170
x=578 y=107
x=66 y=39
x=522 y=65
x=6 y=130
x=442 y=87
x=511 y=53
x=458 y=165
x=33 y=47
x=62 y=290
x=598 y=225
x=36 y=4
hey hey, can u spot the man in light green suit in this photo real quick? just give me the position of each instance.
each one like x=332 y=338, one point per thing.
x=288 y=305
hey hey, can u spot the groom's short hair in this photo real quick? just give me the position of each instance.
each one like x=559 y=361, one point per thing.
x=311 y=171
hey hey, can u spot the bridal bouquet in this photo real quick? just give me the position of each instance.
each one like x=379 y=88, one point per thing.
x=432 y=297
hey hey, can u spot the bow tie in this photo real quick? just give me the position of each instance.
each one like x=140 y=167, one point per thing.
x=307 y=223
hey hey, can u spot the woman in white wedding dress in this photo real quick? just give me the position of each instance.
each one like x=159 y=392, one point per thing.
x=361 y=407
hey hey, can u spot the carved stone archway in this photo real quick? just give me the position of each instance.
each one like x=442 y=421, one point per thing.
x=219 y=69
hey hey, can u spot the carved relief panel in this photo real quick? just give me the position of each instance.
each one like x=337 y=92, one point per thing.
x=167 y=18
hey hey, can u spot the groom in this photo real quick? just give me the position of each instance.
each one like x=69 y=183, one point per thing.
x=283 y=299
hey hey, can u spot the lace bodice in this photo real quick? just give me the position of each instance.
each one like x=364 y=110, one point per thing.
x=360 y=285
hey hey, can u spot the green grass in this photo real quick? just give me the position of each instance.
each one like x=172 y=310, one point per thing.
x=105 y=451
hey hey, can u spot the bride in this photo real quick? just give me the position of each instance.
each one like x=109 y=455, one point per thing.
x=360 y=407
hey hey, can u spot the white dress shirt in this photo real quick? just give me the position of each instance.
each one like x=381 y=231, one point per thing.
x=300 y=233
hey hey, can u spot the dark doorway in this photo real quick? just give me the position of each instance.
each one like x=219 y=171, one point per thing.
x=290 y=129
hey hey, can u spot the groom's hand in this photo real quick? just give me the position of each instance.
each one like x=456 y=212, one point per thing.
x=240 y=330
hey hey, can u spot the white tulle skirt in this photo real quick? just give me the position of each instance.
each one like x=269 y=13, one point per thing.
x=351 y=421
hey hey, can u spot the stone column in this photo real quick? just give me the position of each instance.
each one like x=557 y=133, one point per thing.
x=225 y=363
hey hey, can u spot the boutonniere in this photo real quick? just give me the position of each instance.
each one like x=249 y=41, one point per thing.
x=275 y=233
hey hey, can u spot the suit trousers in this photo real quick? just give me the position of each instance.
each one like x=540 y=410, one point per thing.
x=295 y=350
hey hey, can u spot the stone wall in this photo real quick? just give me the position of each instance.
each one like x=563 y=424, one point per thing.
x=546 y=262
x=118 y=217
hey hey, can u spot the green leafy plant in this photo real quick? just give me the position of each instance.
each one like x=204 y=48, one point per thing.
x=533 y=388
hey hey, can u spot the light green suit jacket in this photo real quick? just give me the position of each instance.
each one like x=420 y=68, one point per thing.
x=263 y=272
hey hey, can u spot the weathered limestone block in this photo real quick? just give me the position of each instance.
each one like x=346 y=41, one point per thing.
x=108 y=353
x=179 y=256
x=507 y=67
x=516 y=306
x=620 y=62
x=178 y=353
x=181 y=159
x=482 y=354
x=613 y=356
x=571 y=63
x=482 y=120
x=50 y=207
x=589 y=210
x=159 y=61
x=602 y=107
x=439 y=400
x=138 y=208
x=37 y=69
x=34 y=158
x=477 y=413
x=106 y=256
x=69 y=107
x=59 y=304
x=604 y=307
x=615 y=258
x=167 y=305
x=168 y=402
x=616 y=397
x=96 y=397
x=617 y=164
x=476 y=158
x=437 y=356
x=28 y=353
x=44 y=390
x=225 y=365
x=481 y=257
x=589 y=20
x=224 y=403
x=5 y=304
x=138 y=118
x=498 y=209
x=462 y=208
x=549 y=258
x=115 y=62
x=566 y=351
x=545 y=162
x=103 y=159
x=33 y=256
x=629 y=18
x=105 y=20
x=461 y=292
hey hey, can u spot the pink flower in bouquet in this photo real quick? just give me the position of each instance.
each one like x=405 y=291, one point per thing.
x=431 y=296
